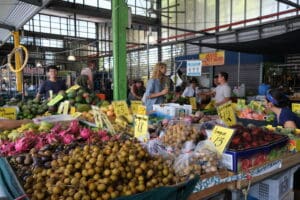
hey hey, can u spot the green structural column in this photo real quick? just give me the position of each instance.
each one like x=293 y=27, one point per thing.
x=120 y=23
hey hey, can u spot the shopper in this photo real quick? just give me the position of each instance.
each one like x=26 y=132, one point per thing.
x=191 y=90
x=278 y=102
x=89 y=72
x=223 y=90
x=157 y=87
x=52 y=84
x=84 y=82
x=8 y=124
x=137 y=90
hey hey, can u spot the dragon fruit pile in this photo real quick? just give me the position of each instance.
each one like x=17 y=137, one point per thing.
x=57 y=135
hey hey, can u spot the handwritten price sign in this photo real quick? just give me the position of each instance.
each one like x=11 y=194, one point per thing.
x=221 y=137
x=193 y=103
x=8 y=113
x=296 y=107
x=141 y=127
x=120 y=108
x=226 y=113
x=56 y=99
x=135 y=105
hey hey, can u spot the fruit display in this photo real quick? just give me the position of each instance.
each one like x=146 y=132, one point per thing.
x=252 y=137
x=60 y=133
x=31 y=108
x=99 y=172
x=12 y=135
x=176 y=135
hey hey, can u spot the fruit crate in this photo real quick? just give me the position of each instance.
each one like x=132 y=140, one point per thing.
x=241 y=160
x=278 y=187
x=10 y=187
x=257 y=123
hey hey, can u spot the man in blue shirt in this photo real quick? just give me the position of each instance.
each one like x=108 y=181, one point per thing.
x=52 y=84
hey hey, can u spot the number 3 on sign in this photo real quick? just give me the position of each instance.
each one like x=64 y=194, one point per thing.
x=141 y=127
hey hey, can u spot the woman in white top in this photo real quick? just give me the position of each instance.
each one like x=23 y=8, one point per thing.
x=223 y=90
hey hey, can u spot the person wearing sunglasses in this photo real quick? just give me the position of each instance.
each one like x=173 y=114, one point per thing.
x=278 y=103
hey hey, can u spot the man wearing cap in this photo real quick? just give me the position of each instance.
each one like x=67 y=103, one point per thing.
x=53 y=84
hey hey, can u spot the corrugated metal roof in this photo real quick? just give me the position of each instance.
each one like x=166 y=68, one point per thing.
x=16 y=13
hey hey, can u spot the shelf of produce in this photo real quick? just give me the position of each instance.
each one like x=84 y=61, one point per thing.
x=287 y=162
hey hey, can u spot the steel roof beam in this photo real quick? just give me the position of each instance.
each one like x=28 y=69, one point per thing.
x=6 y=26
x=290 y=3
x=68 y=7
x=38 y=3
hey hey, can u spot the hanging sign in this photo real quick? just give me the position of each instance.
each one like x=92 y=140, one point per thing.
x=212 y=59
x=134 y=106
x=8 y=112
x=193 y=67
x=141 y=127
x=226 y=113
x=296 y=107
x=193 y=102
x=120 y=108
x=221 y=137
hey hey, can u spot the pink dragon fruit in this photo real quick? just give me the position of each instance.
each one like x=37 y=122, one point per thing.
x=86 y=133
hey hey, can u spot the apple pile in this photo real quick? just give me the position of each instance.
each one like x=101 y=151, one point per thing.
x=252 y=137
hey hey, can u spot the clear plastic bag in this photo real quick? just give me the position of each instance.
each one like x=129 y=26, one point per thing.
x=156 y=148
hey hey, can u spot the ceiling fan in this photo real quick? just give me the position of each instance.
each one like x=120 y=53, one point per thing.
x=161 y=11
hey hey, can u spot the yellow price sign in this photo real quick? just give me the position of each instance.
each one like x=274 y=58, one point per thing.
x=193 y=103
x=142 y=110
x=226 y=113
x=55 y=100
x=221 y=137
x=74 y=87
x=72 y=110
x=134 y=106
x=120 y=108
x=66 y=107
x=296 y=107
x=141 y=127
x=8 y=112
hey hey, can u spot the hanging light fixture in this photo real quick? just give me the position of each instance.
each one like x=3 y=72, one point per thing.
x=71 y=57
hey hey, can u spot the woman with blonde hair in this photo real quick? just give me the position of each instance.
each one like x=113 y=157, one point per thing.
x=157 y=87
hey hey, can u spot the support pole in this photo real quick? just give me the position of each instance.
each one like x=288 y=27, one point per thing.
x=19 y=81
x=119 y=22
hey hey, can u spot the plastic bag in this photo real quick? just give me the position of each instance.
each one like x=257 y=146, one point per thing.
x=207 y=156
x=156 y=148
x=185 y=164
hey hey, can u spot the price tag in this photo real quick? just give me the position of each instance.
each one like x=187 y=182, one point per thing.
x=134 y=106
x=76 y=114
x=141 y=127
x=66 y=107
x=221 y=137
x=8 y=112
x=120 y=108
x=74 y=87
x=72 y=110
x=296 y=107
x=60 y=108
x=56 y=99
x=193 y=103
x=97 y=116
x=142 y=110
x=226 y=113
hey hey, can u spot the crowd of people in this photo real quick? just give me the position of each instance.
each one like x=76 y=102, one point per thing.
x=158 y=86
